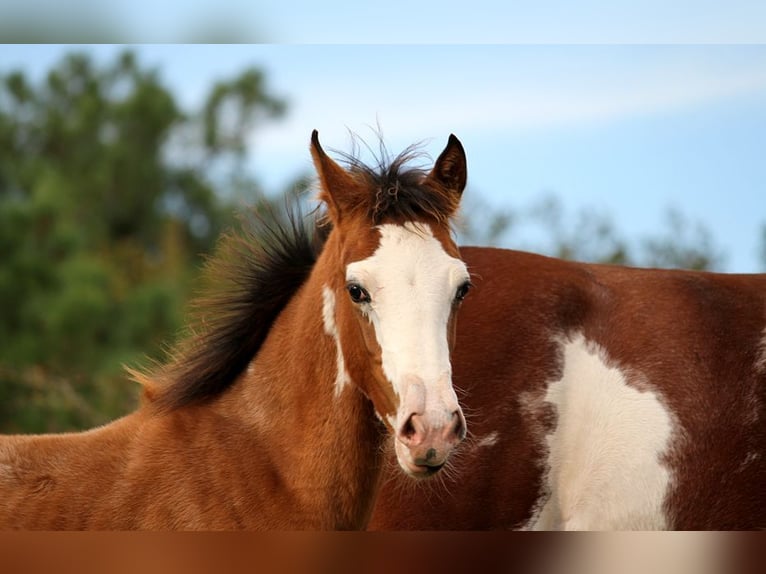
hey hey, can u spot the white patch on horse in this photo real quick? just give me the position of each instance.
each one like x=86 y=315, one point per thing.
x=487 y=440
x=605 y=469
x=328 y=317
x=412 y=283
x=750 y=458
x=751 y=412
x=760 y=362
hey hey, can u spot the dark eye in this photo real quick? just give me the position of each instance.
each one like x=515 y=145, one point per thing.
x=358 y=293
x=462 y=291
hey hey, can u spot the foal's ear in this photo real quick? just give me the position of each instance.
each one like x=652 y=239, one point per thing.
x=450 y=171
x=338 y=188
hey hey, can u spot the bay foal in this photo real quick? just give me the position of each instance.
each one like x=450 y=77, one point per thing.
x=273 y=415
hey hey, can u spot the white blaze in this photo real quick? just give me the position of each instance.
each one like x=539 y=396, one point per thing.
x=412 y=283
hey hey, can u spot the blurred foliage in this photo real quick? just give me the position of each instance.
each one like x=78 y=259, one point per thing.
x=120 y=21
x=109 y=195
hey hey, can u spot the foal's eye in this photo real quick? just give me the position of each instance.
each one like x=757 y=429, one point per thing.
x=462 y=291
x=358 y=293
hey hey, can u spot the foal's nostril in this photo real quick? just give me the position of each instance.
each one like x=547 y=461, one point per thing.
x=409 y=431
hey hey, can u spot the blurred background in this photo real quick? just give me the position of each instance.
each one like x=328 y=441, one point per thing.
x=120 y=165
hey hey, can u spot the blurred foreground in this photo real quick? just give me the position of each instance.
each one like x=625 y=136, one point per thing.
x=379 y=553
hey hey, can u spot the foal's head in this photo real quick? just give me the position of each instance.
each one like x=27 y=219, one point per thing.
x=394 y=295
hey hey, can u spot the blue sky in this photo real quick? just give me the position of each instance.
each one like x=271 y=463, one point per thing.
x=628 y=130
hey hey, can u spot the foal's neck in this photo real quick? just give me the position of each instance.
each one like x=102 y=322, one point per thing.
x=324 y=443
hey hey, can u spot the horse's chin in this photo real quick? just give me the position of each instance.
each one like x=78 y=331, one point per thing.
x=423 y=472
x=419 y=471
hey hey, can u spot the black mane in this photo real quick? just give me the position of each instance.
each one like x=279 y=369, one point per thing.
x=253 y=275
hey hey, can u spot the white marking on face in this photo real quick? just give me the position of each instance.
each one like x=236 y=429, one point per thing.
x=412 y=284
x=604 y=459
x=328 y=317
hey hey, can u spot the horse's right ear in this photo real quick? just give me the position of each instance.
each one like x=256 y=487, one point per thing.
x=337 y=188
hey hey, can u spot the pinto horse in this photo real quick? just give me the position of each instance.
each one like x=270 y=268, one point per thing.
x=273 y=414
x=601 y=397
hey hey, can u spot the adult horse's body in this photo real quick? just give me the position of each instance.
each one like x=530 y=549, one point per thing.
x=601 y=397
x=266 y=418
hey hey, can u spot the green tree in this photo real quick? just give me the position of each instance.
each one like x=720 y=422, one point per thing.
x=109 y=194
